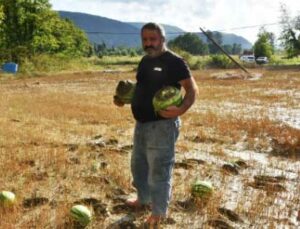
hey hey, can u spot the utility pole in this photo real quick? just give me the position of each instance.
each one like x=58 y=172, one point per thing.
x=215 y=43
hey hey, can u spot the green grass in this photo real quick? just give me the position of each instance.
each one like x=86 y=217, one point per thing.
x=281 y=60
x=47 y=64
x=118 y=60
x=51 y=64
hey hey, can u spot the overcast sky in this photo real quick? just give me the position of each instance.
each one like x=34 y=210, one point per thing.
x=189 y=15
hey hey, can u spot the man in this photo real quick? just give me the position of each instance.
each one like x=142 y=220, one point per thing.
x=155 y=134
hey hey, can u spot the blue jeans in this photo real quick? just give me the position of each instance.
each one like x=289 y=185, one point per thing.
x=152 y=162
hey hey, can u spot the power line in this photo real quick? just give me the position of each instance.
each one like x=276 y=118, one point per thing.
x=133 y=33
x=249 y=26
x=219 y=30
x=111 y=33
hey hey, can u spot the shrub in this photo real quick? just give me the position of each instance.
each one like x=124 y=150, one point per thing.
x=194 y=62
x=220 y=61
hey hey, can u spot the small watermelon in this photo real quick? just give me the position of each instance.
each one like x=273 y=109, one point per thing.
x=165 y=97
x=95 y=166
x=7 y=198
x=202 y=189
x=81 y=214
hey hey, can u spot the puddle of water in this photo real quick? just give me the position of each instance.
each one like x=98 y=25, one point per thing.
x=289 y=116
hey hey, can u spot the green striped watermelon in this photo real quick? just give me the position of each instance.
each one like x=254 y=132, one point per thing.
x=81 y=214
x=202 y=189
x=7 y=198
x=165 y=97
x=125 y=91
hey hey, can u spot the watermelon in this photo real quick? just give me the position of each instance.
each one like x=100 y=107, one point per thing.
x=202 y=189
x=7 y=198
x=165 y=97
x=95 y=166
x=125 y=91
x=81 y=214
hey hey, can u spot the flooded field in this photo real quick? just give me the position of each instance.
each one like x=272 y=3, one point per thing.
x=62 y=141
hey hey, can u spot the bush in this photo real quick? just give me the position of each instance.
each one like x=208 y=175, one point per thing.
x=197 y=65
x=194 y=62
x=220 y=61
x=52 y=63
x=43 y=63
x=280 y=60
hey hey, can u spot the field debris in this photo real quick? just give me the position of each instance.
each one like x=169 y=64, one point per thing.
x=64 y=141
x=236 y=76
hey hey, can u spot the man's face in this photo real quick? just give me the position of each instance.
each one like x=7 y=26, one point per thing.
x=153 y=42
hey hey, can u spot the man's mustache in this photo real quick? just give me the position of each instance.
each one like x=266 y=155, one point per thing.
x=149 y=47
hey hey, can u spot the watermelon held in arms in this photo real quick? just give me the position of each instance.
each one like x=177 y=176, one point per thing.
x=125 y=91
x=165 y=97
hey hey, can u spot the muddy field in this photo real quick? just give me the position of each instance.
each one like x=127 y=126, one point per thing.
x=62 y=141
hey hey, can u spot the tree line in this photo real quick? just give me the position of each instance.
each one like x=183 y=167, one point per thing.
x=189 y=42
x=290 y=32
x=263 y=46
x=289 y=37
x=192 y=43
x=31 y=27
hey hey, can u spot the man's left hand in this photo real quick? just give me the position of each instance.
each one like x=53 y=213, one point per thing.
x=170 y=112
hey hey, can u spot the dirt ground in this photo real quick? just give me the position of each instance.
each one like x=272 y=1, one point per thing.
x=62 y=142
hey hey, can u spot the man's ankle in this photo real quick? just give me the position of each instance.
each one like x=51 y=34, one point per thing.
x=136 y=204
x=154 y=219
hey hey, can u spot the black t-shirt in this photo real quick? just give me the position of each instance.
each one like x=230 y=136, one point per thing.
x=153 y=74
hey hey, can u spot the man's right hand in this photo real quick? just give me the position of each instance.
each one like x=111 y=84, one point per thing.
x=118 y=102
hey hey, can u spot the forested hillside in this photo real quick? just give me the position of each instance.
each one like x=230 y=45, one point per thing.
x=116 y=33
x=104 y=30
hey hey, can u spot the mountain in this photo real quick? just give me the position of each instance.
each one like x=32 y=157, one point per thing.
x=100 y=29
x=230 y=38
x=116 y=33
x=171 y=31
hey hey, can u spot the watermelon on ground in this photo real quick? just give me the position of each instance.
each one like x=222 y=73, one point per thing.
x=7 y=198
x=202 y=189
x=81 y=214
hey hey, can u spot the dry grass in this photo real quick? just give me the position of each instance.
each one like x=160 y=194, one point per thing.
x=50 y=127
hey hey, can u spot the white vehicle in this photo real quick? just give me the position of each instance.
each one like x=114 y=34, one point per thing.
x=248 y=58
x=262 y=60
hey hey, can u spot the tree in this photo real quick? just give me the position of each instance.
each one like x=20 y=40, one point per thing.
x=248 y=52
x=100 y=49
x=217 y=36
x=30 y=27
x=264 y=46
x=290 y=37
x=227 y=48
x=236 y=49
x=1 y=14
x=1 y=25
x=189 y=42
x=56 y=35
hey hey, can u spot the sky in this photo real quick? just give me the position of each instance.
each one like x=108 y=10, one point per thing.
x=222 y=15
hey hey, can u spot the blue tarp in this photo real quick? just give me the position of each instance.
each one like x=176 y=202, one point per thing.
x=10 y=67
